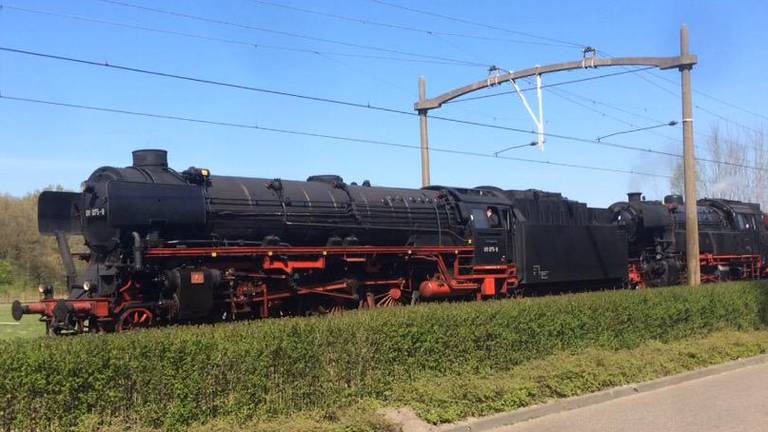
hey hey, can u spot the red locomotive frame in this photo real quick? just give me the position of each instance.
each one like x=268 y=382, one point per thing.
x=250 y=268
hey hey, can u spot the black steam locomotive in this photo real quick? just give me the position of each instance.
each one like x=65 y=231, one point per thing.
x=171 y=247
x=732 y=236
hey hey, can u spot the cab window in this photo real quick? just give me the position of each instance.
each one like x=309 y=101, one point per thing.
x=479 y=218
x=745 y=222
x=489 y=217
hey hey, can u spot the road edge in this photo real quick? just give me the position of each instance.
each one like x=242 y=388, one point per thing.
x=409 y=422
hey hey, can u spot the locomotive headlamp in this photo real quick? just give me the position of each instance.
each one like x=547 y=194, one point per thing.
x=46 y=291
x=197 y=175
x=87 y=285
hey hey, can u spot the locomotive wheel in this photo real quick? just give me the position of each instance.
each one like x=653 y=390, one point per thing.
x=393 y=297
x=135 y=318
x=336 y=309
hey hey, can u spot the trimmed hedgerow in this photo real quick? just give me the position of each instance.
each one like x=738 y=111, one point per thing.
x=171 y=378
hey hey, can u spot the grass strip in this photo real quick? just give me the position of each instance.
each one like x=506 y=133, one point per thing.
x=452 y=398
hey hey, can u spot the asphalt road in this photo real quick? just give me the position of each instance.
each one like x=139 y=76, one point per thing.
x=732 y=401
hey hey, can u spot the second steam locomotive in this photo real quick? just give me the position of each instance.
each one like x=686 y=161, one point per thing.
x=172 y=247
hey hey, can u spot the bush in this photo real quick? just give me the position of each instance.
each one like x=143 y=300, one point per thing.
x=171 y=378
x=6 y=272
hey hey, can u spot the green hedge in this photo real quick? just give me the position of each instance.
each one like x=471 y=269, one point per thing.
x=171 y=378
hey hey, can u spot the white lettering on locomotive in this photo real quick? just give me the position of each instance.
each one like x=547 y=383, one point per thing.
x=95 y=212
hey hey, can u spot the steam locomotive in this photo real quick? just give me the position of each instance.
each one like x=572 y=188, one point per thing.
x=178 y=247
x=733 y=239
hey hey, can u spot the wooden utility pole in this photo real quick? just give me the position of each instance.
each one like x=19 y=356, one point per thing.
x=425 y=181
x=689 y=165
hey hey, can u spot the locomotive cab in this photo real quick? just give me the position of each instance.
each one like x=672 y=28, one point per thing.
x=487 y=214
x=490 y=232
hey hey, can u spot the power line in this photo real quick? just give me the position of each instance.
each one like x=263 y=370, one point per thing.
x=557 y=92
x=222 y=22
x=402 y=27
x=552 y=85
x=282 y=33
x=611 y=106
x=348 y=103
x=202 y=80
x=238 y=42
x=321 y=135
x=478 y=24
x=574 y=44
x=696 y=106
x=595 y=142
x=465 y=21
x=328 y=53
x=724 y=102
x=530 y=144
x=725 y=119
x=641 y=129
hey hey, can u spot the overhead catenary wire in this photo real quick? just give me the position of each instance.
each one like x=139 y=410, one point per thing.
x=715 y=98
x=605 y=104
x=572 y=44
x=580 y=45
x=353 y=104
x=696 y=106
x=505 y=149
x=201 y=80
x=328 y=53
x=412 y=29
x=281 y=32
x=640 y=129
x=628 y=112
x=637 y=72
x=619 y=109
x=330 y=56
x=566 y=95
x=473 y=123
x=320 y=135
x=239 y=42
x=478 y=24
x=674 y=93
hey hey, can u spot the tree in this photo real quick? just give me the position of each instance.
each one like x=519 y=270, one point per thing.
x=732 y=178
x=26 y=257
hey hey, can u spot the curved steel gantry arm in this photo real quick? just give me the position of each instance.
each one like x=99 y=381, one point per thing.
x=684 y=61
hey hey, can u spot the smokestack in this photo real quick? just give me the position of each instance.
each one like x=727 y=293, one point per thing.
x=634 y=196
x=150 y=158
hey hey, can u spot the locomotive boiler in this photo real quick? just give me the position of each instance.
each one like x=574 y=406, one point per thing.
x=170 y=247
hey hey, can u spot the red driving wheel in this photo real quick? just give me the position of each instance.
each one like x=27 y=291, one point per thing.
x=135 y=318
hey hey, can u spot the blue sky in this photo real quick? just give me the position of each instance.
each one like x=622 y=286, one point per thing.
x=43 y=145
